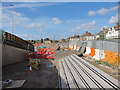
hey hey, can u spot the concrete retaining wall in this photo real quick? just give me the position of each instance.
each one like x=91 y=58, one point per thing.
x=0 y=55
x=12 y=55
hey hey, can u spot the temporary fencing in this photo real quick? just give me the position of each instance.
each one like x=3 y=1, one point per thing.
x=101 y=50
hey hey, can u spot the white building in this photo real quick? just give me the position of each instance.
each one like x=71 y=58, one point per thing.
x=74 y=39
x=87 y=36
x=101 y=34
x=97 y=36
x=113 y=32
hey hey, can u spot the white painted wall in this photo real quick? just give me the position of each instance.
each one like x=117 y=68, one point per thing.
x=112 y=33
x=89 y=37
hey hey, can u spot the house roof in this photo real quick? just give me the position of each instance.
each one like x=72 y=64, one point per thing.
x=75 y=36
x=87 y=34
x=116 y=27
x=102 y=31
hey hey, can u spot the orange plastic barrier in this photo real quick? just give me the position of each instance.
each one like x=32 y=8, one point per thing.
x=92 y=52
x=77 y=47
x=72 y=47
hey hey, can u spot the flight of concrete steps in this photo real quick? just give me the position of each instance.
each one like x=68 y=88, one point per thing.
x=74 y=72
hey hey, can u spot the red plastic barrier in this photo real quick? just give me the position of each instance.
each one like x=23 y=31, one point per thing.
x=50 y=55
x=43 y=54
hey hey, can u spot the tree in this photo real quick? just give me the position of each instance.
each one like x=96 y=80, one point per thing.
x=46 y=39
x=41 y=40
x=63 y=40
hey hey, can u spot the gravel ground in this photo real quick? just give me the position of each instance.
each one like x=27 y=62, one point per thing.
x=44 y=77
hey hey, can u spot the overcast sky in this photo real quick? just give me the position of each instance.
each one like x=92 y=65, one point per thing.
x=36 y=20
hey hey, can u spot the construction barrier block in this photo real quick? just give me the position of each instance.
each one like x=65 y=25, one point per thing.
x=88 y=50
x=92 y=52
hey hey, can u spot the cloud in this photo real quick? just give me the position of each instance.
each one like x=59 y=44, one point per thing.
x=89 y=26
x=91 y=13
x=40 y=31
x=103 y=11
x=114 y=8
x=28 y=36
x=113 y=19
x=35 y=25
x=10 y=17
x=57 y=20
x=76 y=29
x=105 y=26
x=68 y=21
x=31 y=5
x=86 y=27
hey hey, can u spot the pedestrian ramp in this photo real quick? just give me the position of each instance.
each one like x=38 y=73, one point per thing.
x=76 y=73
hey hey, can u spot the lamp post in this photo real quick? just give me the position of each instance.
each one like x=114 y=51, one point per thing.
x=12 y=18
x=104 y=35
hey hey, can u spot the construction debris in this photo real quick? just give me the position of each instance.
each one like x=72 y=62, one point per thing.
x=34 y=63
x=50 y=66
x=13 y=83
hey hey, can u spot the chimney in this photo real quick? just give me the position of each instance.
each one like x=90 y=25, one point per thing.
x=117 y=24
x=103 y=28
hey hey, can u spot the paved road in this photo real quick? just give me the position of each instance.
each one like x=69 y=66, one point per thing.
x=45 y=77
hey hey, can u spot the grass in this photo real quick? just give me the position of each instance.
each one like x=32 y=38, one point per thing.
x=106 y=63
x=98 y=62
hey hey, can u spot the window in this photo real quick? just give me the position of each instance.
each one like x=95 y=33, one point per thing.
x=109 y=32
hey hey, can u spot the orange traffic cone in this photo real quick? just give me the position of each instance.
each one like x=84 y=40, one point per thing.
x=30 y=69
